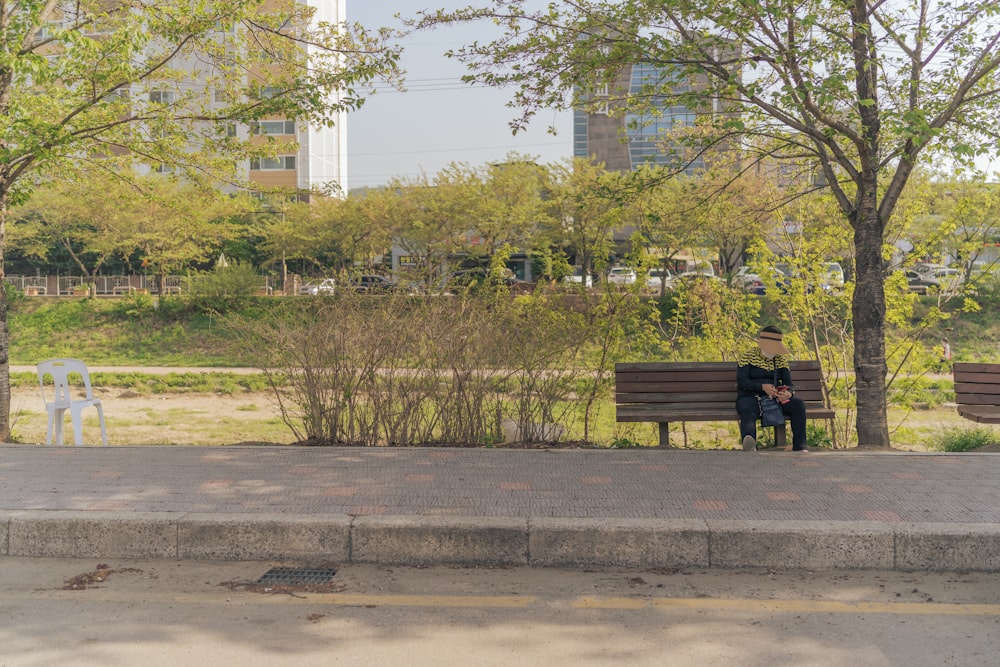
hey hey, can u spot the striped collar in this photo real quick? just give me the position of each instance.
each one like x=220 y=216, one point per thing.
x=755 y=358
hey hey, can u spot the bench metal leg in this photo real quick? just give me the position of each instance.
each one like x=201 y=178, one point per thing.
x=664 y=434
x=780 y=438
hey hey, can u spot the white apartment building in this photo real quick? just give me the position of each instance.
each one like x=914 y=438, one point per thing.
x=321 y=159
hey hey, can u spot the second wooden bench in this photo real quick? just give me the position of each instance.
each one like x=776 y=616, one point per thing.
x=977 y=392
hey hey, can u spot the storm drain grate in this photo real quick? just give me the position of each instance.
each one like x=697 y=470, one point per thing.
x=296 y=576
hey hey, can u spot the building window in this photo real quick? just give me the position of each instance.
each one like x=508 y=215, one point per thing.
x=161 y=97
x=580 y=137
x=280 y=127
x=280 y=163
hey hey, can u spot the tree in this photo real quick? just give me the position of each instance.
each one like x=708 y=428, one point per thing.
x=861 y=90
x=435 y=220
x=663 y=216
x=585 y=210
x=161 y=84
x=175 y=225
x=85 y=218
x=513 y=204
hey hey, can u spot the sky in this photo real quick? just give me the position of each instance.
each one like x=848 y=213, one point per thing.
x=439 y=120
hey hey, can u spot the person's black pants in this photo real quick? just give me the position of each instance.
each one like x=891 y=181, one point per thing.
x=795 y=412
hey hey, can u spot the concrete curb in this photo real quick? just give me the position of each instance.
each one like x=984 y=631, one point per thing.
x=491 y=541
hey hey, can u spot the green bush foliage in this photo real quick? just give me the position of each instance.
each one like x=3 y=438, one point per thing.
x=963 y=440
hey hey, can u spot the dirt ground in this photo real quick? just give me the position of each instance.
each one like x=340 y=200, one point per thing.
x=254 y=418
x=145 y=419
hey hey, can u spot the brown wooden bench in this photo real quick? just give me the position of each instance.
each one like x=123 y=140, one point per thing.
x=977 y=392
x=701 y=391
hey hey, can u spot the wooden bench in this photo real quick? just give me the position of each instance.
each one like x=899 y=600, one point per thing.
x=701 y=391
x=977 y=392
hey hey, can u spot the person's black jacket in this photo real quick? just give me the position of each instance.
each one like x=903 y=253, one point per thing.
x=755 y=370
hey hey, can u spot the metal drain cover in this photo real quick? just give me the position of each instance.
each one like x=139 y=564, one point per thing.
x=297 y=576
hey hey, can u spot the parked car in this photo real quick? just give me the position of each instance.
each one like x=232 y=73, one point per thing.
x=700 y=269
x=658 y=280
x=372 y=284
x=580 y=277
x=927 y=268
x=950 y=280
x=832 y=277
x=314 y=287
x=621 y=275
x=920 y=283
x=755 y=283
x=475 y=278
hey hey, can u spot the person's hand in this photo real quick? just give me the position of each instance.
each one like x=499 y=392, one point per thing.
x=769 y=390
x=784 y=395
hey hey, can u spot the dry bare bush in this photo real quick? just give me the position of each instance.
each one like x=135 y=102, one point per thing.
x=394 y=370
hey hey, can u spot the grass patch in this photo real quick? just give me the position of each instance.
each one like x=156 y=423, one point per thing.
x=171 y=383
x=964 y=440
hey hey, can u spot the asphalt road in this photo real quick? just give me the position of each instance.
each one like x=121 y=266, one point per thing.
x=168 y=613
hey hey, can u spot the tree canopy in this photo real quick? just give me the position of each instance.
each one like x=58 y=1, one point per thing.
x=857 y=92
x=161 y=85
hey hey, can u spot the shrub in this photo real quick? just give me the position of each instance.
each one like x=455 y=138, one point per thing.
x=390 y=370
x=963 y=440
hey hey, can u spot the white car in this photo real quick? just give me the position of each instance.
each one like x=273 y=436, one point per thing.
x=580 y=277
x=832 y=277
x=621 y=275
x=659 y=279
x=324 y=286
x=950 y=280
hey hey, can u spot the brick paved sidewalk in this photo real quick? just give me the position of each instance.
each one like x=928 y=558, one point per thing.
x=612 y=484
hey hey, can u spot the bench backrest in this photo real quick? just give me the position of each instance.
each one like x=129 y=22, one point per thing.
x=977 y=384
x=699 y=386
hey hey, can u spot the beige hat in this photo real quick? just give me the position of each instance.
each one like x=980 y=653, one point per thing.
x=770 y=343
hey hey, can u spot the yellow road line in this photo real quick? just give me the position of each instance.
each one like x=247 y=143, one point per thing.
x=242 y=598
x=797 y=606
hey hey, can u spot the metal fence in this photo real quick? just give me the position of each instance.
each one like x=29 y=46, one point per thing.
x=105 y=285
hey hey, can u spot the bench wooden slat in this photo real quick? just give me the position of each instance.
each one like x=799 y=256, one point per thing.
x=654 y=413
x=978 y=399
x=676 y=387
x=673 y=366
x=984 y=378
x=725 y=399
x=983 y=415
x=978 y=388
x=967 y=367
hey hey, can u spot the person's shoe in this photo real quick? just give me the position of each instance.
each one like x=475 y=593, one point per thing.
x=800 y=449
x=749 y=444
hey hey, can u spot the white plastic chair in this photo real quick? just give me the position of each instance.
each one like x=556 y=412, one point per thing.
x=60 y=370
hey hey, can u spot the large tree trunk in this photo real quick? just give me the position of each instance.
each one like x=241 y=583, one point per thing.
x=868 y=308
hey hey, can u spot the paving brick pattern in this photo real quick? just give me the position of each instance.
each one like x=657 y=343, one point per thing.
x=664 y=484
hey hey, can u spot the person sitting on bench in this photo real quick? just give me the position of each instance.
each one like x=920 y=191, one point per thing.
x=764 y=371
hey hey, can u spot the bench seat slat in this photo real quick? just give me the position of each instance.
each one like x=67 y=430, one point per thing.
x=982 y=415
x=653 y=413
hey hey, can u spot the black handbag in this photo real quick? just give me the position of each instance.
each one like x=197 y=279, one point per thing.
x=770 y=410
